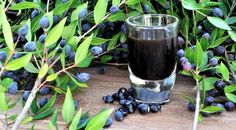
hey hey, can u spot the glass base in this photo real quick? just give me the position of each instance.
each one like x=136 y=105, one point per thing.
x=152 y=91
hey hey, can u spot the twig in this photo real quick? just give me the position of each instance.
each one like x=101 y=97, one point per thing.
x=197 y=105
x=48 y=5
x=8 y=5
x=30 y=99
x=231 y=9
x=232 y=74
x=6 y=120
x=35 y=59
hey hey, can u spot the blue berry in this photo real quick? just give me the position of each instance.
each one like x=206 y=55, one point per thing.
x=123 y=93
x=12 y=88
x=199 y=28
x=101 y=70
x=3 y=55
x=180 y=53
x=23 y=31
x=183 y=60
x=108 y=99
x=64 y=1
x=43 y=101
x=68 y=50
x=220 y=84
x=213 y=62
x=118 y=115
x=55 y=19
x=76 y=103
x=44 y=22
x=16 y=55
x=124 y=29
x=212 y=92
x=207 y=36
x=101 y=26
x=108 y=123
x=82 y=13
x=115 y=96
x=111 y=24
x=44 y=90
x=209 y=100
x=83 y=77
x=187 y=66
x=220 y=50
x=191 y=107
x=30 y=46
x=217 y=12
x=124 y=111
x=86 y=27
x=25 y=74
x=96 y=50
x=143 y=108
x=114 y=9
x=122 y=101
x=62 y=42
x=229 y=106
x=72 y=56
x=42 y=38
x=155 y=108
x=146 y=8
x=210 y=54
x=180 y=41
x=25 y=95
x=34 y=13
x=231 y=57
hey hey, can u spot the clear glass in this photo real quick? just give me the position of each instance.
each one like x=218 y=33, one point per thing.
x=152 y=56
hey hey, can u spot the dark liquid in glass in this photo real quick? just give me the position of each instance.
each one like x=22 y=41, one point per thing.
x=152 y=59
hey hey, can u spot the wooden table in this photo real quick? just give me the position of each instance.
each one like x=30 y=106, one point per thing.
x=174 y=115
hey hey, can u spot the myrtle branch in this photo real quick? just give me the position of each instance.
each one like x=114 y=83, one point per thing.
x=39 y=83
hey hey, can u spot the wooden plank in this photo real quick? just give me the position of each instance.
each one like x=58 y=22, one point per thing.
x=174 y=115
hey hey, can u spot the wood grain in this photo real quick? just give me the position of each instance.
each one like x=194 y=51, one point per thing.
x=174 y=115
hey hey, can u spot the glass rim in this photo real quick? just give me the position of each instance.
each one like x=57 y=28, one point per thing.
x=174 y=23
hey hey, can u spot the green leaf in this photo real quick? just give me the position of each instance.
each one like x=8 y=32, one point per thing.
x=189 y=99
x=100 y=10
x=231 y=20
x=185 y=26
x=224 y=71
x=191 y=5
x=204 y=43
x=209 y=83
x=116 y=2
x=75 y=121
x=6 y=29
x=31 y=68
x=106 y=58
x=51 y=77
x=212 y=109
x=218 y=22
x=62 y=8
x=98 y=121
x=55 y=33
x=184 y=72
x=218 y=42
x=82 y=50
x=209 y=4
x=232 y=35
x=34 y=107
x=43 y=71
x=231 y=97
x=68 y=108
x=189 y=54
x=27 y=120
x=198 y=55
x=204 y=60
x=43 y=114
x=86 y=62
x=74 y=15
x=69 y=31
x=113 y=41
x=230 y=88
x=132 y=2
x=119 y=16
x=200 y=117
x=53 y=120
x=98 y=41
x=29 y=34
x=5 y=83
x=3 y=102
x=24 y=5
x=35 y=23
x=50 y=103
x=19 y=63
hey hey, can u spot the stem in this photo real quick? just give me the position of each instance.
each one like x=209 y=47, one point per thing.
x=6 y=123
x=201 y=13
x=194 y=23
x=30 y=99
x=197 y=106
x=231 y=9
x=48 y=5
x=8 y=5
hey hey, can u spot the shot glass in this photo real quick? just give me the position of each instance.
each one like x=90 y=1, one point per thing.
x=152 y=49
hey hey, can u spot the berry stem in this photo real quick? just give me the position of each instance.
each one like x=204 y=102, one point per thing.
x=197 y=105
